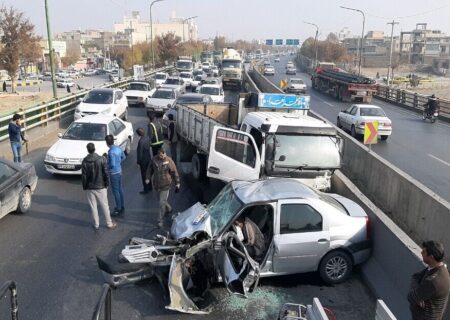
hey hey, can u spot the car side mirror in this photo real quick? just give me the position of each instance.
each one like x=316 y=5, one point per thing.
x=60 y=135
x=282 y=158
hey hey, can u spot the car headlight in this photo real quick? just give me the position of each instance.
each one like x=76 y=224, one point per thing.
x=106 y=111
x=50 y=158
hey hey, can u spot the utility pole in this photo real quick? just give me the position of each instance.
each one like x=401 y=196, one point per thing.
x=361 y=44
x=315 y=41
x=151 y=32
x=393 y=23
x=50 y=52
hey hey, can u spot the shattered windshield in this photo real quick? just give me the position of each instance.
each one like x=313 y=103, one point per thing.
x=223 y=208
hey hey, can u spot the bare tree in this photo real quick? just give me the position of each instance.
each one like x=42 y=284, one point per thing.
x=169 y=47
x=17 y=36
x=70 y=58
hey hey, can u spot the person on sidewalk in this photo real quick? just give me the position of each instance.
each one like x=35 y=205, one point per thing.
x=155 y=133
x=94 y=177
x=16 y=136
x=162 y=172
x=115 y=158
x=143 y=158
x=428 y=294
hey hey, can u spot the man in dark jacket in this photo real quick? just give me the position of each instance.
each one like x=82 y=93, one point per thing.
x=155 y=133
x=94 y=177
x=143 y=157
x=428 y=294
x=16 y=136
x=162 y=172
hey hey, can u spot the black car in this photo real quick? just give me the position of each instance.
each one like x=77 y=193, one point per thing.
x=17 y=183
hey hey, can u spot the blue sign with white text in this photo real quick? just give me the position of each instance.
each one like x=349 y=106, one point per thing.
x=269 y=42
x=283 y=101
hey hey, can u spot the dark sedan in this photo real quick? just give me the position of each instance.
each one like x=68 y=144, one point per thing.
x=17 y=183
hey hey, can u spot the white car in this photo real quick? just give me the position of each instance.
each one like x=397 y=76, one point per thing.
x=187 y=78
x=66 y=154
x=196 y=82
x=206 y=67
x=105 y=101
x=175 y=83
x=276 y=60
x=356 y=116
x=161 y=99
x=65 y=82
x=295 y=85
x=215 y=71
x=137 y=93
x=291 y=70
x=160 y=78
x=290 y=64
x=269 y=71
x=215 y=91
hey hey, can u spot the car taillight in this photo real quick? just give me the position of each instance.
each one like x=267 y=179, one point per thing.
x=361 y=124
x=368 y=229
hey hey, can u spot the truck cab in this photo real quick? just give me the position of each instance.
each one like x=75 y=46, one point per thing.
x=276 y=144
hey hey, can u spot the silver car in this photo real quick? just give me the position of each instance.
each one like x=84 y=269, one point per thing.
x=304 y=230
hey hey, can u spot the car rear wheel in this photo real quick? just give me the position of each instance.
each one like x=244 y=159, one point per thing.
x=353 y=132
x=335 y=267
x=384 y=138
x=24 y=200
x=199 y=167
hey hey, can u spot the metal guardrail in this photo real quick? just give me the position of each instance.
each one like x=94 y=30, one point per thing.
x=104 y=301
x=11 y=286
x=42 y=114
x=410 y=99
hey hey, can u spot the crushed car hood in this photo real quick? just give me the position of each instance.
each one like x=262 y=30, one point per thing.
x=193 y=220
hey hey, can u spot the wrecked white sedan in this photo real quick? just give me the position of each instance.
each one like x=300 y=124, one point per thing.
x=302 y=231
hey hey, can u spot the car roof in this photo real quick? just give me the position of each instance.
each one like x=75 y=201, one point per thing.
x=272 y=190
x=104 y=90
x=174 y=77
x=139 y=82
x=162 y=88
x=370 y=106
x=285 y=119
x=210 y=85
x=96 y=118
x=164 y=73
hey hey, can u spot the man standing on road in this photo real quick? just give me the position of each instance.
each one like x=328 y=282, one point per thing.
x=428 y=294
x=94 y=177
x=143 y=157
x=155 y=133
x=162 y=171
x=115 y=158
x=16 y=136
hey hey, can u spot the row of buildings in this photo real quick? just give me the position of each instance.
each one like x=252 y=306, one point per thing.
x=93 y=46
x=421 y=46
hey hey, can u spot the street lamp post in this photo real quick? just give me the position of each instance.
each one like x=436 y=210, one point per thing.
x=50 y=52
x=393 y=23
x=315 y=41
x=362 y=35
x=151 y=32
x=184 y=21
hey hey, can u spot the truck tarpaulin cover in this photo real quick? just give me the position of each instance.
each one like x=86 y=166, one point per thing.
x=283 y=101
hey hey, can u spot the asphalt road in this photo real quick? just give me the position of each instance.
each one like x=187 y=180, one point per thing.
x=419 y=148
x=50 y=253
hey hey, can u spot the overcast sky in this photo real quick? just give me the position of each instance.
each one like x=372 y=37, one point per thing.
x=243 y=19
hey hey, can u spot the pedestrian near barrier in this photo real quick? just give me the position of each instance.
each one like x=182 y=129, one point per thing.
x=94 y=177
x=162 y=172
x=428 y=294
x=115 y=158
x=155 y=133
x=143 y=158
x=16 y=136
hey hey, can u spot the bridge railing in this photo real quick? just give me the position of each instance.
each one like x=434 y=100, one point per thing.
x=11 y=286
x=42 y=114
x=410 y=99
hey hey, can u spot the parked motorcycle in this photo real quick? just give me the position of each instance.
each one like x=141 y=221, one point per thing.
x=432 y=116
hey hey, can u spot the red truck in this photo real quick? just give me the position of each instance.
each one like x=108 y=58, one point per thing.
x=342 y=85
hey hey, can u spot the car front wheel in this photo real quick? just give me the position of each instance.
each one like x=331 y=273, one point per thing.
x=24 y=200
x=335 y=267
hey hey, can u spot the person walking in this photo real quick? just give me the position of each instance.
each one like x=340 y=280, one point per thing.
x=172 y=137
x=94 y=177
x=155 y=133
x=4 y=86
x=16 y=136
x=428 y=294
x=143 y=158
x=162 y=172
x=115 y=158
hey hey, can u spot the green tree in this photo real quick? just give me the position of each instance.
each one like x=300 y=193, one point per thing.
x=17 y=35
x=307 y=49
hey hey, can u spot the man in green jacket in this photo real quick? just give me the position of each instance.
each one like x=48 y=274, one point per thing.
x=430 y=287
x=162 y=172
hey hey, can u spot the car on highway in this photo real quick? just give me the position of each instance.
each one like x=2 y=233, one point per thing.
x=269 y=70
x=196 y=82
x=215 y=91
x=162 y=99
x=206 y=67
x=302 y=230
x=187 y=78
x=356 y=116
x=160 y=77
x=66 y=154
x=46 y=76
x=215 y=72
x=290 y=64
x=17 y=184
x=104 y=101
x=291 y=70
x=65 y=82
x=175 y=83
x=137 y=93
x=295 y=85
x=276 y=60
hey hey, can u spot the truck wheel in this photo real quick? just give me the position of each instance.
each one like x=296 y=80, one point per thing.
x=199 y=167
x=335 y=267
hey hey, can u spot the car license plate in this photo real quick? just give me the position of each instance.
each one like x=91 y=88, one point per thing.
x=66 y=166
x=158 y=109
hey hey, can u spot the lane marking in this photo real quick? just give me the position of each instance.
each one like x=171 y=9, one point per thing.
x=440 y=160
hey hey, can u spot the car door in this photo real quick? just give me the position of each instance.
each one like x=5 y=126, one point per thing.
x=120 y=134
x=301 y=237
x=233 y=155
x=10 y=187
x=353 y=116
x=345 y=117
